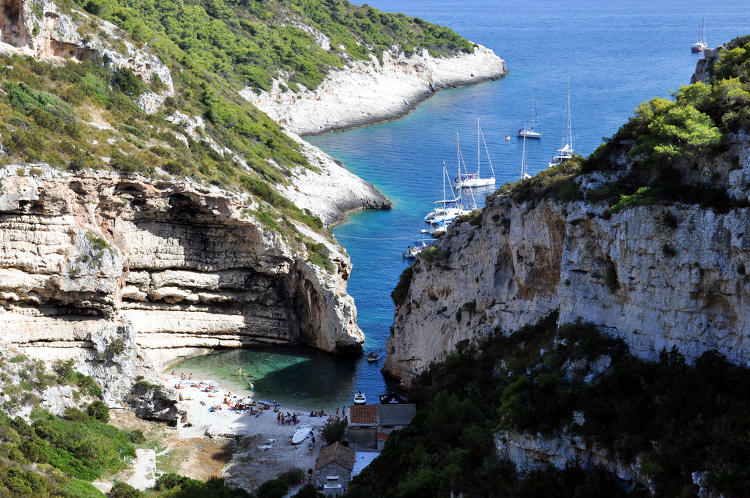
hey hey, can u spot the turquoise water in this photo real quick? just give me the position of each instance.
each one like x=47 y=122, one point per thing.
x=617 y=54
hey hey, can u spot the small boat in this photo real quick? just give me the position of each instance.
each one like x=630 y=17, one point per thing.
x=466 y=179
x=701 y=44
x=360 y=398
x=527 y=132
x=373 y=357
x=566 y=151
x=391 y=398
x=413 y=251
x=301 y=434
x=507 y=137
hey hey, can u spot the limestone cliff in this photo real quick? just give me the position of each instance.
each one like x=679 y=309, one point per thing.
x=657 y=275
x=366 y=92
x=175 y=267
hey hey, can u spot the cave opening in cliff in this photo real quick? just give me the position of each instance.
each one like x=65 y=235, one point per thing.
x=12 y=27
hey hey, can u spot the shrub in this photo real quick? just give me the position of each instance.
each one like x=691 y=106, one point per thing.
x=333 y=431
x=169 y=480
x=124 y=490
x=274 y=488
x=99 y=411
x=127 y=82
x=401 y=291
x=292 y=477
x=72 y=413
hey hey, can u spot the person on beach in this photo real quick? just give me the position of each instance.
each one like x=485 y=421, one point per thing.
x=191 y=377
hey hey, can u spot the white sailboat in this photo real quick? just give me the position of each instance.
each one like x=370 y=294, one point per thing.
x=446 y=208
x=701 y=44
x=524 y=172
x=566 y=151
x=466 y=179
x=526 y=132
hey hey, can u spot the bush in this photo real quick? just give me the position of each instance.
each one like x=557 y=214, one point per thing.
x=401 y=291
x=293 y=477
x=333 y=431
x=124 y=490
x=127 y=82
x=72 y=413
x=99 y=411
x=169 y=480
x=274 y=488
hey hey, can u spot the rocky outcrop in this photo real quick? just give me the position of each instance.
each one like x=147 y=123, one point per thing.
x=529 y=452
x=366 y=92
x=40 y=30
x=95 y=264
x=657 y=276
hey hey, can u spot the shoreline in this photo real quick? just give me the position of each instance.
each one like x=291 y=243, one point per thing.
x=364 y=93
x=263 y=449
x=409 y=108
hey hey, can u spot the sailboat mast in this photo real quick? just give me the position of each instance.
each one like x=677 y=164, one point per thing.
x=523 y=158
x=533 y=114
x=570 y=119
x=478 y=153
x=443 y=175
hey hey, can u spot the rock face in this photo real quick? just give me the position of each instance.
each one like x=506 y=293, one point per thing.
x=535 y=452
x=656 y=276
x=93 y=265
x=366 y=92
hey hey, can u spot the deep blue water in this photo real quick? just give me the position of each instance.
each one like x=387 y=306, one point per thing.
x=616 y=54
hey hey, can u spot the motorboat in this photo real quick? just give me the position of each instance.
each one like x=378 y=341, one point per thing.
x=566 y=151
x=301 y=434
x=473 y=180
x=373 y=357
x=530 y=132
x=360 y=398
x=413 y=250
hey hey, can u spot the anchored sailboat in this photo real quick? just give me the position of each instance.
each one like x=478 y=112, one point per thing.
x=524 y=174
x=530 y=132
x=466 y=179
x=446 y=208
x=566 y=151
x=701 y=44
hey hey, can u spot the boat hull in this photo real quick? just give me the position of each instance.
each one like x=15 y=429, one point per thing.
x=529 y=134
x=474 y=183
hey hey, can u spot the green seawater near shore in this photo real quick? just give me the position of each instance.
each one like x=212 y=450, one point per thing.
x=295 y=377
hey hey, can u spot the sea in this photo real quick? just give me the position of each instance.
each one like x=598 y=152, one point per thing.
x=615 y=55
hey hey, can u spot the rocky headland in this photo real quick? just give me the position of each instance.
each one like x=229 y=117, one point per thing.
x=368 y=92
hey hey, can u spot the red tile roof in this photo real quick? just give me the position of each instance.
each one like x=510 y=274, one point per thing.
x=363 y=414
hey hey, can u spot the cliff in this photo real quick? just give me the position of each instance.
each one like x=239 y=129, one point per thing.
x=367 y=92
x=645 y=240
x=172 y=267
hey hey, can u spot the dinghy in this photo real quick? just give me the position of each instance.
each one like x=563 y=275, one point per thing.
x=301 y=434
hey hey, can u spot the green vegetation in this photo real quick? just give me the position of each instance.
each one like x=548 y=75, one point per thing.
x=673 y=417
x=333 y=431
x=249 y=42
x=319 y=255
x=402 y=287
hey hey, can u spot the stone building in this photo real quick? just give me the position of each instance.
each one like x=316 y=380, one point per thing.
x=333 y=469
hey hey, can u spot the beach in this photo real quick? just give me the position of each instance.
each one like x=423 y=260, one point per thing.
x=261 y=448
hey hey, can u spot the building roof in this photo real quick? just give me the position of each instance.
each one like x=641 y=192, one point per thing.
x=363 y=414
x=335 y=453
x=394 y=415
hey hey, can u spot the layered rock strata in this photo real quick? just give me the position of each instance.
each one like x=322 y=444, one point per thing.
x=367 y=92
x=94 y=262
x=657 y=276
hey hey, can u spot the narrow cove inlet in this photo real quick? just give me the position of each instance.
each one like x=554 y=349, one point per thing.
x=403 y=158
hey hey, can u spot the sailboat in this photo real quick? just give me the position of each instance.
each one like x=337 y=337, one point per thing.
x=524 y=174
x=530 y=132
x=446 y=208
x=701 y=44
x=566 y=151
x=466 y=179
